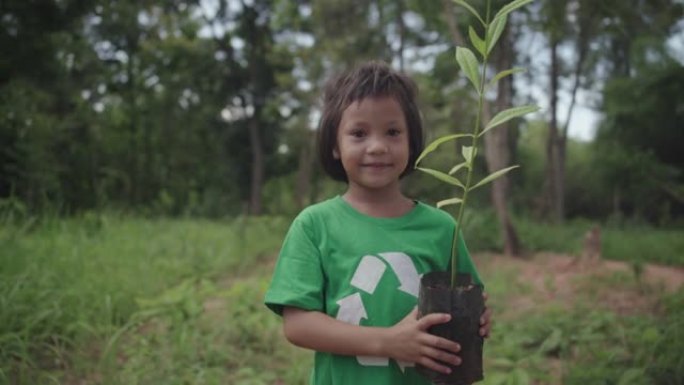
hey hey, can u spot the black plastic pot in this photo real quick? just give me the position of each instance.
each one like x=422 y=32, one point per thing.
x=465 y=304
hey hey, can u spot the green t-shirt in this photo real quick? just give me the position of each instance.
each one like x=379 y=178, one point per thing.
x=362 y=270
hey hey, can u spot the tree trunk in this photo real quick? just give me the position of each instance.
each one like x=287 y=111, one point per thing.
x=134 y=162
x=258 y=88
x=555 y=145
x=497 y=149
x=305 y=163
x=496 y=141
x=452 y=23
x=257 y=171
x=402 y=32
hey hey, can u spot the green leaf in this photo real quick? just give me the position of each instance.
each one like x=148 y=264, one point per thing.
x=468 y=153
x=433 y=146
x=510 y=7
x=507 y=115
x=505 y=73
x=633 y=376
x=493 y=176
x=553 y=342
x=494 y=32
x=446 y=202
x=468 y=62
x=442 y=176
x=520 y=376
x=470 y=9
x=503 y=363
x=478 y=43
x=457 y=167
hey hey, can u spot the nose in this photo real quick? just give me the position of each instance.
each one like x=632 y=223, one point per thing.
x=377 y=146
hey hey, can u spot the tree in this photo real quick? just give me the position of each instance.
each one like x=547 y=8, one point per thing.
x=243 y=33
x=498 y=147
x=554 y=16
x=601 y=33
x=34 y=92
x=639 y=143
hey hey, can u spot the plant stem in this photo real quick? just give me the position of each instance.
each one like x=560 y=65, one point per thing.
x=470 y=162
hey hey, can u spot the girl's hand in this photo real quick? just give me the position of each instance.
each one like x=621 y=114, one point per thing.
x=409 y=341
x=486 y=319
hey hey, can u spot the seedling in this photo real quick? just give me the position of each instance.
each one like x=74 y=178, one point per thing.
x=476 y=72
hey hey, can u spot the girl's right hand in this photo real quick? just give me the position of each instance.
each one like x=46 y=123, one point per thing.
x=409 y=341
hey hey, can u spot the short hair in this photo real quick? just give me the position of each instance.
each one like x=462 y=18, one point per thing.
x=369 y=80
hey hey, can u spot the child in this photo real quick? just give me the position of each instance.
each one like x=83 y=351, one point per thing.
x=346 y=281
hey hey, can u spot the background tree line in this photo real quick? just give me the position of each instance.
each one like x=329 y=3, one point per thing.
x=208 y=108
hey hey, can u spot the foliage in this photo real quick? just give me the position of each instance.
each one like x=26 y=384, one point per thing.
x=603 y=348
x=140 y=111
x=573 y=341
x=636 y=243
x=637 y=148
x=121 y=300
x=472 y=68
x=645 y=245
x=146 y=107
x=202 y=333
x=66 y=283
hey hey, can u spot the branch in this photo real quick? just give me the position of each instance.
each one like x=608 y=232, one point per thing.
x=582 y=47
x=450 y=16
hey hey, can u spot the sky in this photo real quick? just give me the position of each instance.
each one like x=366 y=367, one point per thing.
x=584 y=119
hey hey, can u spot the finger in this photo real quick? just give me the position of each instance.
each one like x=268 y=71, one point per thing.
x=413 y=314
x=433 y=319
x=486 y=316
x=485 y=330
x=442 y=356
x=442 y=344
x=431 y=364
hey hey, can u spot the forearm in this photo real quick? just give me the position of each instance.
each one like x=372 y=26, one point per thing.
x=318 y=331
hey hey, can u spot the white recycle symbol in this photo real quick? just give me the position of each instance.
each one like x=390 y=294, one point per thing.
x=366 y=278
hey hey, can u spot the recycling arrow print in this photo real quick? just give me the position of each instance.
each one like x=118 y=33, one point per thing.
x=366 y=277
x=403 y=365
x=405 y=270
x=352 y=311
x=409 y=281
x=368 y=273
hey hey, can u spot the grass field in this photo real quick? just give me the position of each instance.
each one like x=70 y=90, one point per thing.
x=118 y=300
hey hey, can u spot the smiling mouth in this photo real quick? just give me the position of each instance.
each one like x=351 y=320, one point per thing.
x=377 y=165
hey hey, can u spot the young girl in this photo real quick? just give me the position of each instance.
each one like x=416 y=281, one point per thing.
x=346 y=281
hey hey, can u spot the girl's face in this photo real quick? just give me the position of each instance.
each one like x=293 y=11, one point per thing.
x=373 y=144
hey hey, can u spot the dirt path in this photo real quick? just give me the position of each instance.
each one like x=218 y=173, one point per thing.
x=568 y=267
x=562 y=279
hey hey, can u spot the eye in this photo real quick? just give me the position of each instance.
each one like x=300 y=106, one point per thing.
x=357 y=133
x=394 y=132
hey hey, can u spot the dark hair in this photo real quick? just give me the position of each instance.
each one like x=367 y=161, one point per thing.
x=369 y=80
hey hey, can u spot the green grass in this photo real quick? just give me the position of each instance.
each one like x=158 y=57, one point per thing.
x=580 y=340
x=637 y=244
x=105 y=299
x=644 y=245
x=65 y=284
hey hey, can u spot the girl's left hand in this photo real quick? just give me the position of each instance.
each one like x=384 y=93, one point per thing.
x=486 y=319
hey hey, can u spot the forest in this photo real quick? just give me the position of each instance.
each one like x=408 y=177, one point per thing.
x=209 y=108
x=152 y=155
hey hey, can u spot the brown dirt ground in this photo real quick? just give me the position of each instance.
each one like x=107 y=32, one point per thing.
x=548 y=279
x=563 y=278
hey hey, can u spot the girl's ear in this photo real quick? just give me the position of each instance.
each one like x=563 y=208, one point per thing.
x=336 y=153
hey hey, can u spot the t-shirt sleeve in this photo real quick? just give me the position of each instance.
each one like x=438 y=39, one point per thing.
x=298 y=278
